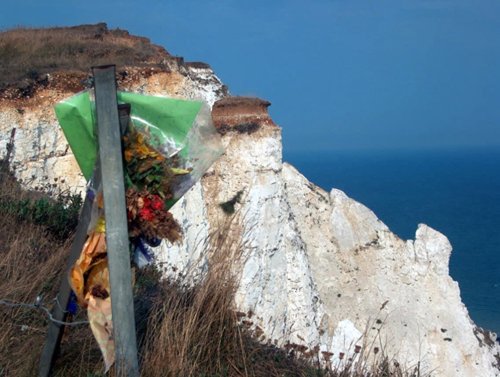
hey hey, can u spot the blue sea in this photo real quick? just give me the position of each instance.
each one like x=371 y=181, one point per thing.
x=455 y=191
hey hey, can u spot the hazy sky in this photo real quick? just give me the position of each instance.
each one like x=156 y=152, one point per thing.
x=341 y=74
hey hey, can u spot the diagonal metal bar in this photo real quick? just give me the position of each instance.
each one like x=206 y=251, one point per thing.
x=55 y=330
x=120 y=276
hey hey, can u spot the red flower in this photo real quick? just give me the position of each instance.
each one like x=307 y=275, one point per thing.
x=146 y=202
x=156 y=203
x=146 y=214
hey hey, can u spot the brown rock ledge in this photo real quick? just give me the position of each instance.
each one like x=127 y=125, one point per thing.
x=241 y=114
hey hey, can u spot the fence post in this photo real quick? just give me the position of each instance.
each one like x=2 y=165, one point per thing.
x=117 y=241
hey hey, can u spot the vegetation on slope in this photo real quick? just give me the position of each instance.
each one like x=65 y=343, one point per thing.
x=183 y=330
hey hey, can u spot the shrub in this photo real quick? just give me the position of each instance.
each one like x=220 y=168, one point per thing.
x=59 y=215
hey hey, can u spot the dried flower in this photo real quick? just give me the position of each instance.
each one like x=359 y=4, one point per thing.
x=100 y=292
x=156 y=203
x=147 y=168
x=140 y=202
x=152 y=220
x=327 y=355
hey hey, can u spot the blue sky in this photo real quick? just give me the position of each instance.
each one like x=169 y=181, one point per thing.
x=341 y=74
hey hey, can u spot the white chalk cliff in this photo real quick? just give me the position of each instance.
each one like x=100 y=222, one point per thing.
x=319 y=268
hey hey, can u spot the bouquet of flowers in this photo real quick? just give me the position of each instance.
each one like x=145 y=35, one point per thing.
x=167 y=146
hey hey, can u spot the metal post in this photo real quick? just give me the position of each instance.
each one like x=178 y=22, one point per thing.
x=120 y=276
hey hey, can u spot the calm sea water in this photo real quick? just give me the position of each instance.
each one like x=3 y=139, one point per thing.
x=456 y=192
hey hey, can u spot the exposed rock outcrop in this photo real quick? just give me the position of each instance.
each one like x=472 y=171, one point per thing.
x=319 y=268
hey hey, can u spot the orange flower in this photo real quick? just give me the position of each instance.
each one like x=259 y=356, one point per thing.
x=128 y=155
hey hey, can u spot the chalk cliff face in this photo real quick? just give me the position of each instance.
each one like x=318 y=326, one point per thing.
x=318 y=268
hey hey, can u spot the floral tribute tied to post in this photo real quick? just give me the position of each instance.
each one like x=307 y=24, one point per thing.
x=168 y=145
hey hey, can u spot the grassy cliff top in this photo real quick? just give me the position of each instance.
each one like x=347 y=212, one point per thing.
x=29 y=54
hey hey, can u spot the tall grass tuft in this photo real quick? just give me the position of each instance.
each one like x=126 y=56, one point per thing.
x=193 y=330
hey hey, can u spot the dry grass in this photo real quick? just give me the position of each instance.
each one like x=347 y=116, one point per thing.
x=183 y=330
x=31 y=265
x=28 y=54
x=196 y=331
x=193 y=330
